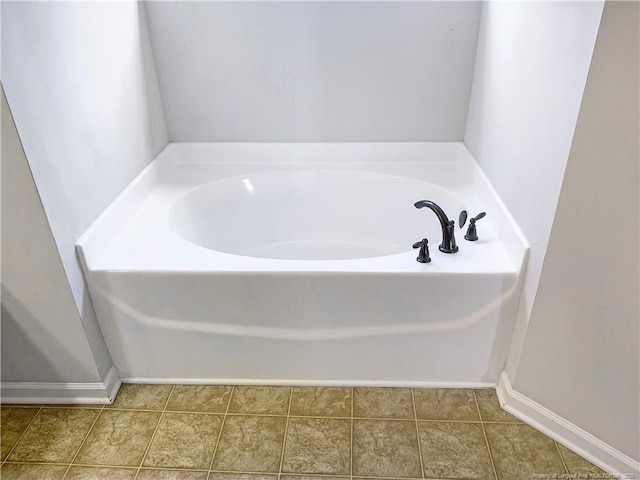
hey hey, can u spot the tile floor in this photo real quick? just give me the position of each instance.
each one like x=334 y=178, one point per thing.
x=270 y=433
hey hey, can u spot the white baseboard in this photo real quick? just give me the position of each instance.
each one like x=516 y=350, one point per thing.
x=563 y=431
x=306 y=383
x=50 y=392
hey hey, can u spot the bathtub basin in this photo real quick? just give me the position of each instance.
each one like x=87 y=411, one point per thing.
x=309 y=214
x=236 y=263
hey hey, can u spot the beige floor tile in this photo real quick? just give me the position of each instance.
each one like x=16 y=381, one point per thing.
x=576 y=464
x=318 y=445
x=250 y=444
x=316 y=448
x=11 y=471
x=142 y=397
x=321 y=401
x=54 y=435
x=490 y=410
x=200 y=398
x=519 y=451
x=14 y=421
x=454 y=450
x=382 y=403
x=119 y=438
x=259 y=399
x=184 y=440
x=446 y=404
x=385 y=448
x=243 y=476
x=100 y=473
x=154 y=474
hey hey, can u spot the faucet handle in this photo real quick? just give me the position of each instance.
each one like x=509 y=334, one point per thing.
x=472 y=232
x=463 y=218
x=423 y=254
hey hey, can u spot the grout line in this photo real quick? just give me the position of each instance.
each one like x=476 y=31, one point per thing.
x=294 y=475
x=561 y=457
x=351 y=446
x=370 y=477
x=156 y=410
x=446 y=420
x=475 y=399
x=486 y=439
x=224 y=419
x=498 y=422
x=388 y=419
x=21 y=435
x=233 y=414
x=252 y=414
x=286 y=429
x=155 y=430
x=303 y=475
x=197 y=411
x=125 y=467
x=415 y=415
x=83 y=442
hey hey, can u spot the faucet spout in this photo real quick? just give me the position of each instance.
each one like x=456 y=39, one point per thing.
x=448 y=244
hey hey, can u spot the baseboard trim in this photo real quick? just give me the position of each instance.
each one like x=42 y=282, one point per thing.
x=58 y=392
x=563 y=431
x=307 y=383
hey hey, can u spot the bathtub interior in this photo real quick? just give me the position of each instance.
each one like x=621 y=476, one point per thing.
x=263 y=262
x=309 y=214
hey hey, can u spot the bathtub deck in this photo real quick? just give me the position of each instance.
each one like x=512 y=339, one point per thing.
x=135 y=234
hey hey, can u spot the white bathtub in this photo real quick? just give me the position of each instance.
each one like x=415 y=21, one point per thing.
x=274 y=263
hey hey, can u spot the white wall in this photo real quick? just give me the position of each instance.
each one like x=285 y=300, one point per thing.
x=531 y=67
x=79 y=78
x=575 y=348
x=42 y=337
x=315 y=71
x=581 y=356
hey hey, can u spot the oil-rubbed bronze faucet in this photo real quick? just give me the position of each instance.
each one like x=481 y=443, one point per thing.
x=448 y=244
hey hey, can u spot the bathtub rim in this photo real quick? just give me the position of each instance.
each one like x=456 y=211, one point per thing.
x=95 y=240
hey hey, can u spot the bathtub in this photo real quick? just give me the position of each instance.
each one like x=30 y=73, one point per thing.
x=293 y=263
